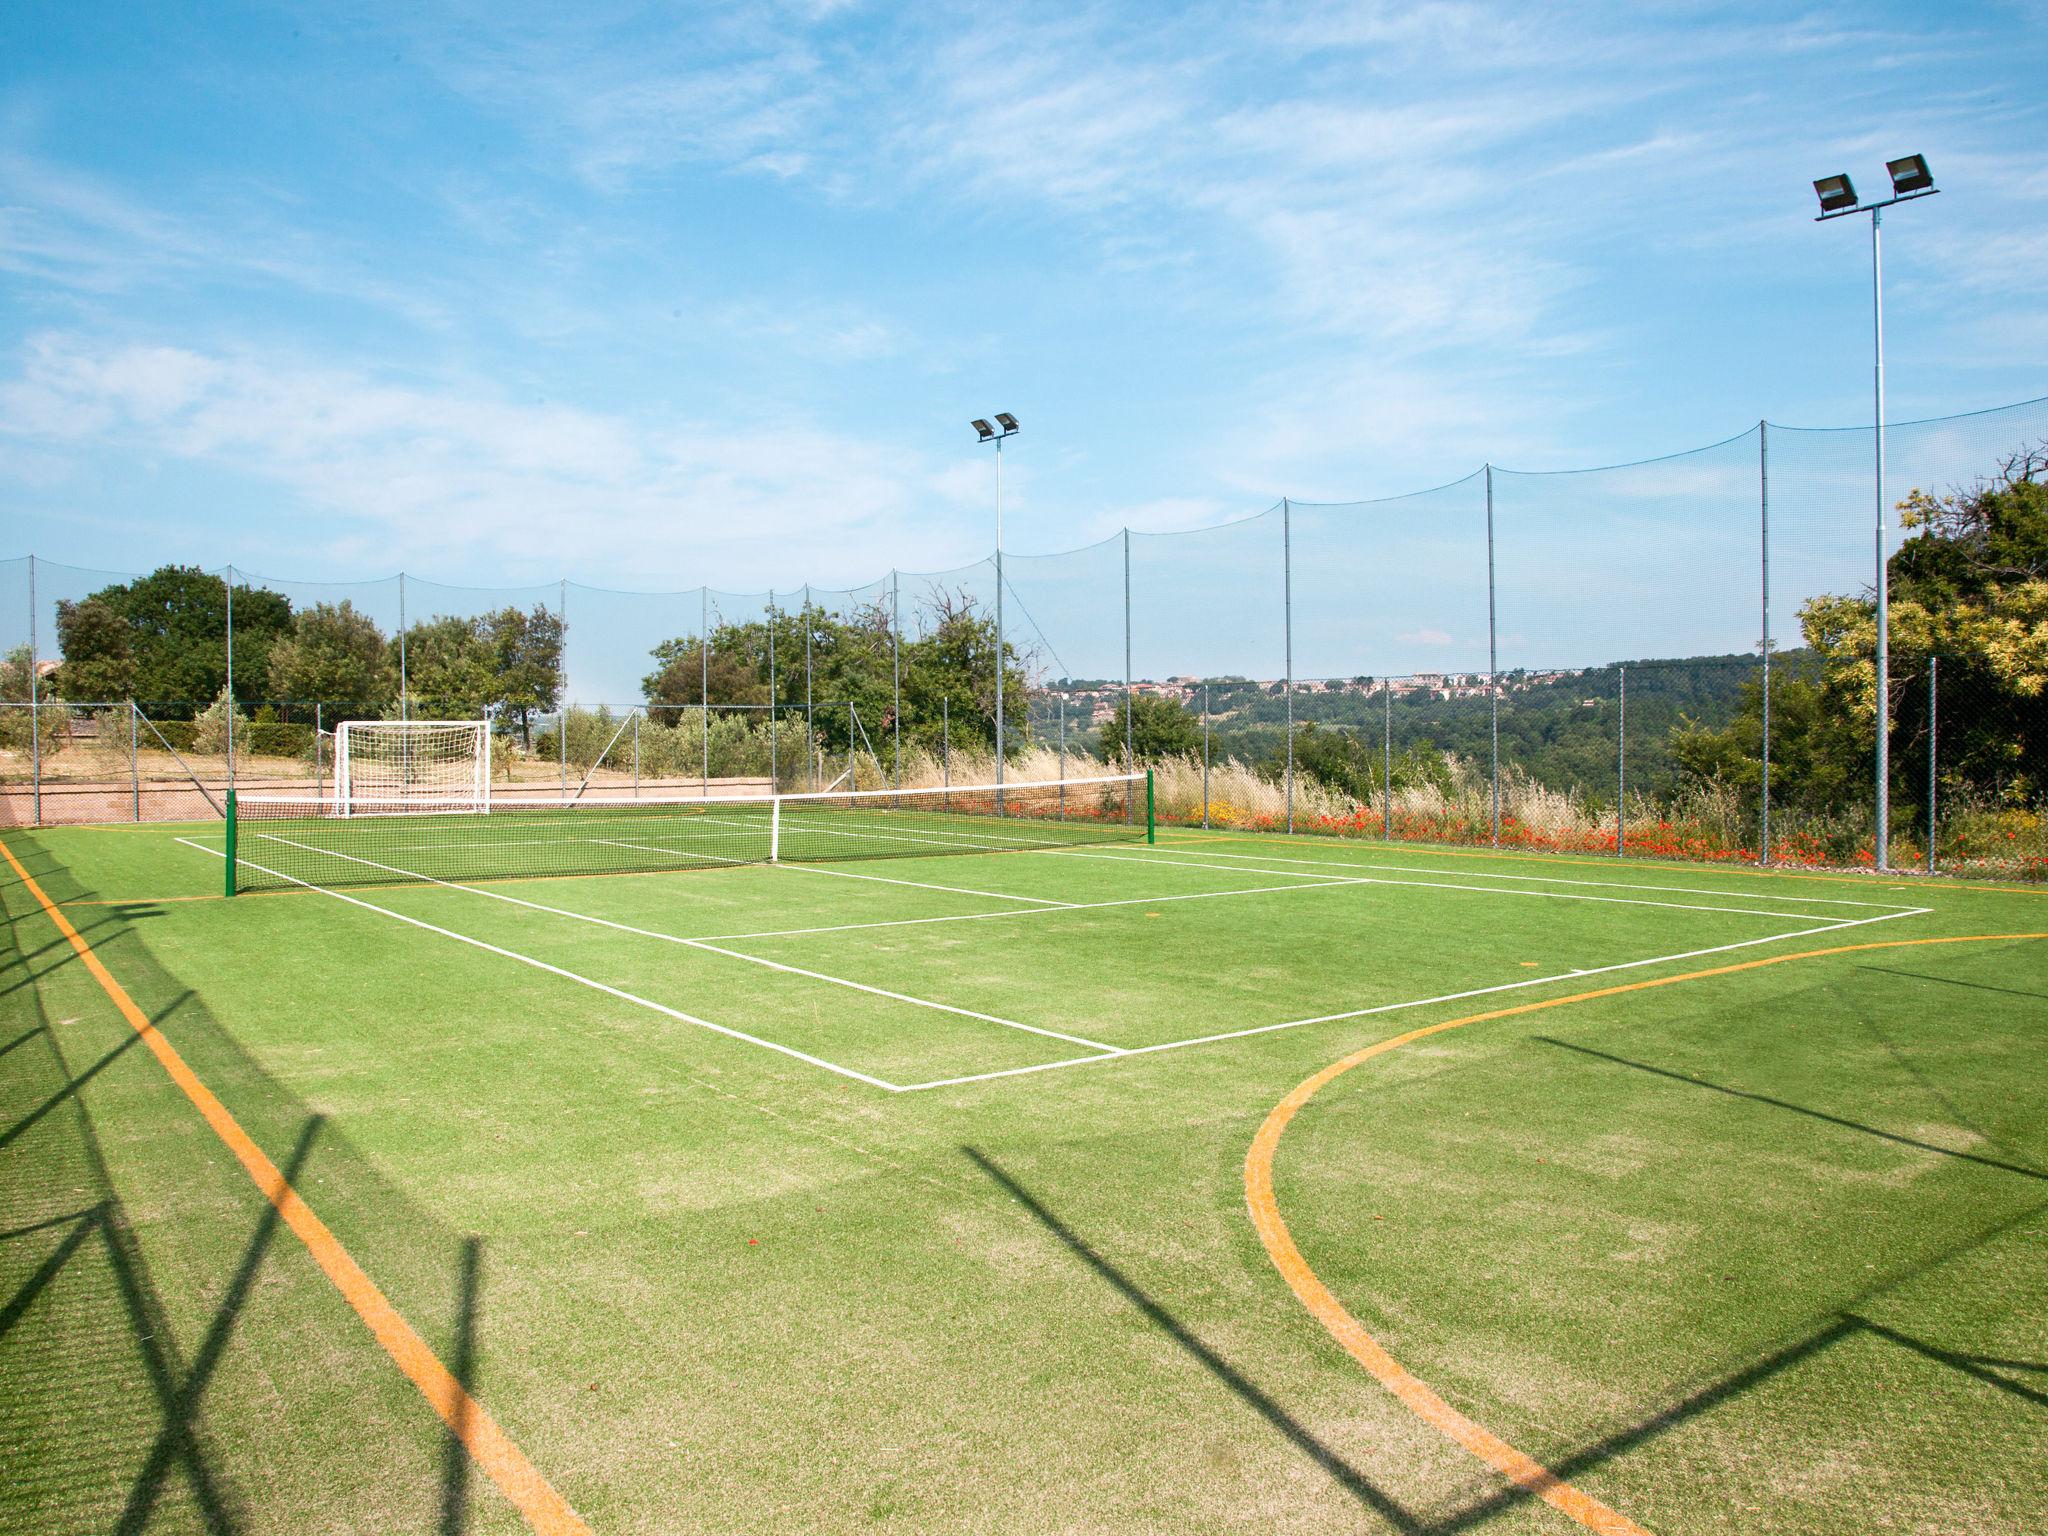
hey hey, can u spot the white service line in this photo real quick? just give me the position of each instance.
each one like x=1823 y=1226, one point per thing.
x=556 y=970
x=1421 y=1002
x=1433 y=885
x=923 y=885
x=671 y=853
x=675 y=938
x=1072 y=906
x=1474 y=874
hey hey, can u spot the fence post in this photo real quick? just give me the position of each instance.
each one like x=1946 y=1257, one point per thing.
x=852 y=747
x=810 y=718
x=231 y=679
x=703 y=693
x=1063 y=757
x=1763 y=456
x=946 y=749
x=1621 y=771
x=562 y=731
x=1287 y=611
x=35 y=709
x=1129 y=745
x=403 y=689
x=233 y=826
x=636 y=757
x=896 y=671
x=1206 y=716
x=135 y=761
x=774 y=697
x=1492 y=660
x=1933 y=783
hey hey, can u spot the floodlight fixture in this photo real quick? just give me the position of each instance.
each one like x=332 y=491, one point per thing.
x=1910 y=174
x=983 y=429
x=1837 y=194
x=1007 y=422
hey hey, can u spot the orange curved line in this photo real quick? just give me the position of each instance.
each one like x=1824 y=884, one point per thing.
x=1517 y=1466
x=488 y=1445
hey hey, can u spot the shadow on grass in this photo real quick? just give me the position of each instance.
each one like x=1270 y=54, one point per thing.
x=462 y=1365
x=1341 y=1471
x=2022 y=1169
x=1951 y=981
x=124 y=1460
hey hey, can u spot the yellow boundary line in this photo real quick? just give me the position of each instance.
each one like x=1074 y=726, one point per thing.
x=492 y=1449
x=1517 y=1466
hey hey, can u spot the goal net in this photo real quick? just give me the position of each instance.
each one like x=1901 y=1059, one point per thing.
x=389 y=764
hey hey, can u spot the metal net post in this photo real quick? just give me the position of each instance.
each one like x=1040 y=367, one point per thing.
x=231 y=678
x=1763 y=472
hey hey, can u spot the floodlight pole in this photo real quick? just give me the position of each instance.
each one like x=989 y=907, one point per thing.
x=1882 y=582
x=999 y=625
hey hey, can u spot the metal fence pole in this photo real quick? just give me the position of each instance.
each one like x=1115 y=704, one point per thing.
x=703 y=692
x=1763 y=470
x=852 y=746
x=135 y=761
x=1387 y=762
x=1882 y=576
x=231 y=677
x=774 y=697
x=1129 y=745
x=946 y=749
x=896 y=671
x=1287 y=619
x=1206 y=716
x=403 y=688
x=1933 y=784
x=636 y=758
x=810 y=718
x=1063 y=757
x=1492 y=660
x=35 y=710
x=1621 y=770
x=1002 y=740
x=562 y=731
x=319 y=763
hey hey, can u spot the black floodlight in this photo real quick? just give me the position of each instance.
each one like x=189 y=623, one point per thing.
x=1006 y=421
x=1836 y=193
x=983 y=428
x=1910 y=175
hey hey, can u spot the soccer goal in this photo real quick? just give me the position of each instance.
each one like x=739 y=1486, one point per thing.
x=391 y=764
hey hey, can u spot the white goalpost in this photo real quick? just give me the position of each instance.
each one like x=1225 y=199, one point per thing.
x=389 y=764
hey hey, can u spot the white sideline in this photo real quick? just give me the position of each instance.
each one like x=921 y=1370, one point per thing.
x=1434 y=885
x=566 y=975
x=1421 y=1002
x=922 y=885
x=1474 y=874
x=673 y=938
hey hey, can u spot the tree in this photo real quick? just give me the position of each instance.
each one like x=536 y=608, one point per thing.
x=678 y=676
x=97 y=646
x=448 y=668
x=334 y=656
x=525 y=658
x=1335 y=758
x=1160 y=727
x=175 y=652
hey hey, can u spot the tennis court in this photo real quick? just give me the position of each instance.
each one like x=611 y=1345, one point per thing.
x=843 y=1164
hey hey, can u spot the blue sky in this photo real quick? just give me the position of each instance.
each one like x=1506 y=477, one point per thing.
x=647 y=295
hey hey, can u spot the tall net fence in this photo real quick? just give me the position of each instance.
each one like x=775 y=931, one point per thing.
x=1675 y=657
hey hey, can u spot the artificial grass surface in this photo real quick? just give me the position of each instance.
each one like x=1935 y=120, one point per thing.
x=1756 y=1252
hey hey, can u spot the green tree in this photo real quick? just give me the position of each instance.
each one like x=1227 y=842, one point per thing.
x=680 y=667
x=334 y=656
x=1160 y=727
x=524 y=651
x=448 y=668
x=175 y=651
x=97 y=645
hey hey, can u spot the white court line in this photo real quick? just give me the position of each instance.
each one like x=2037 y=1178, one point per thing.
x=1471 y=874
x=1436 y=885
x=556 y=970
x=670 y=853
x=1421 y=1002
x=923 y=885
x=674 y=938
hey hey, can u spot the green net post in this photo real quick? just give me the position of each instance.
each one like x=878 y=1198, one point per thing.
x=231 y=843
x=1151 y=821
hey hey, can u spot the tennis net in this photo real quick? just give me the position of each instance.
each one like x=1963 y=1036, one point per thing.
x=278 y=841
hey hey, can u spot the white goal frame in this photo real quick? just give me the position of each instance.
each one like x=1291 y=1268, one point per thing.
x=471 y=792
